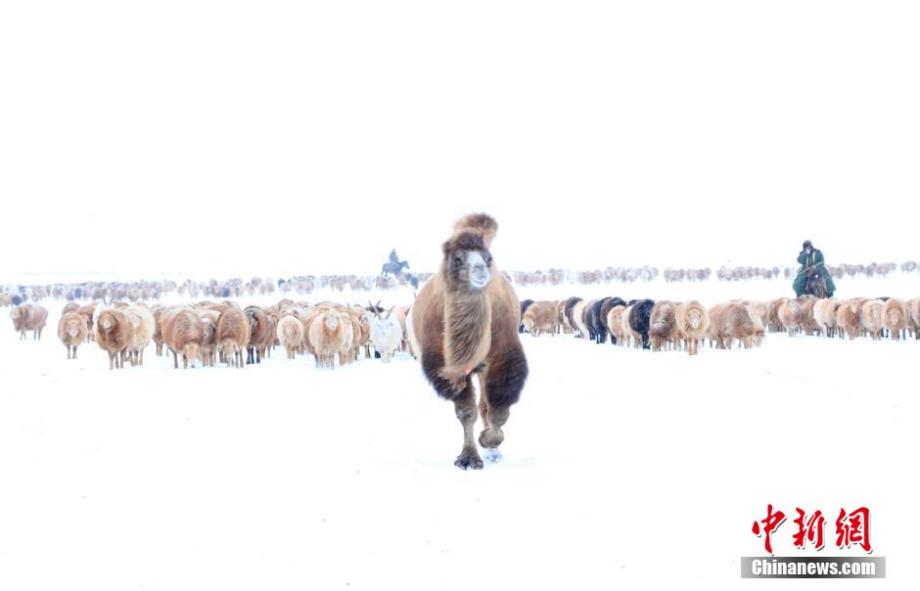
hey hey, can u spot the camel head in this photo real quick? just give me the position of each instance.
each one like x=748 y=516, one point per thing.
x=467 y=262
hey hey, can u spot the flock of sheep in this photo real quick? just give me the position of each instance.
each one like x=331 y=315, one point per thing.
x=667 y=325
x=207 y=332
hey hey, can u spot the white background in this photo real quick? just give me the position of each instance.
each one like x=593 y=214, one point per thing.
x=289 y=137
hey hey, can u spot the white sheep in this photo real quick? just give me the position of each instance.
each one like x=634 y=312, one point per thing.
x=386 y=334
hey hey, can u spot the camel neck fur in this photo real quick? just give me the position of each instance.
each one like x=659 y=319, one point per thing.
x=467 y=331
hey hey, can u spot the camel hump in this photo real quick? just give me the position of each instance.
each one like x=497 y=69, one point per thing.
x=479 y=223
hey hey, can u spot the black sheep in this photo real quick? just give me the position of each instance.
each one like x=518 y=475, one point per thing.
x=597 y=328
x=524 y=305
x=639 y=316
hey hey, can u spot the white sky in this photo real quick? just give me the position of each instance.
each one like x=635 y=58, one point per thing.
x=292 y=137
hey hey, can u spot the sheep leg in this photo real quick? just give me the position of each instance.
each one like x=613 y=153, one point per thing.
x=74 y=351
x=111 y=360
x=175 y=360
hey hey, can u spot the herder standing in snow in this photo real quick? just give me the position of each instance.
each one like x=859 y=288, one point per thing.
x=811 y=257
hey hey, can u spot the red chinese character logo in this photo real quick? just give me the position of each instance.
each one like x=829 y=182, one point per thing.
x=853 y=528
x=770 y=525
x=811 y=529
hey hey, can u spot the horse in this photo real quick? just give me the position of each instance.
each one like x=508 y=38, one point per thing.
x=393 y=268
x=814 y=283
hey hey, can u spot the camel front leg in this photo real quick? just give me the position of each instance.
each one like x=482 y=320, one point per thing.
x=465 y=408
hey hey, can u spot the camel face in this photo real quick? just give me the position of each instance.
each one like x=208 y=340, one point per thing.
x=470 y=268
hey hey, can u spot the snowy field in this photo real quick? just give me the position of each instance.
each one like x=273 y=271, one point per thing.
x=622 y=468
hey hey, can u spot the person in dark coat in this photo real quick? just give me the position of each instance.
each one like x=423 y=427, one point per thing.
x=812 y=257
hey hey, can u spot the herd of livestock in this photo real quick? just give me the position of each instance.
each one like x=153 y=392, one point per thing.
x=666 y=325
x=208 y=332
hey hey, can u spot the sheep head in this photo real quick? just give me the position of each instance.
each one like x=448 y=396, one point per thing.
x=467 y=262
x=73 y=327
x=331 y=320
x=191 y=352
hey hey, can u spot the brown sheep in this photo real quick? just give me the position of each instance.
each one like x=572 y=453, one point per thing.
x=233 y=336
x=29 y=317
x=692 y=324
x=540 y=317
x=870 y=316
x=615 y=323
x=330 y=332
x=158 y=313
x=729 y=322
x=183 y=333
x=290 y=335
x=144 y=325
x=895 y=317
x=848 y=317
x=72 y=332
x=757 y=312
x=825 y=313
x=70 y=307
x=88 y=312
x=662 y=329
x=208 y=350
x=261 y=333
x=113 y=335
x=630 y=337
x=914 y=306
x=465 y=321
x=789 y=315
x=774 y=324
x=804 y=315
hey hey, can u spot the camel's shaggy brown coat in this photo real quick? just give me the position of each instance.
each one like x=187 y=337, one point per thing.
x=461 y=330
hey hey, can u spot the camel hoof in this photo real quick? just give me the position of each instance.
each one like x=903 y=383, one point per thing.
x=468 y=459
x=490 y=438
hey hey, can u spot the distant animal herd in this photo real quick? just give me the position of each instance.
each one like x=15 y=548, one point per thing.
x=670 y=325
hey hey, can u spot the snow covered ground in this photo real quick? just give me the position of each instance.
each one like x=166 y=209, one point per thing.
x=622 y=468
